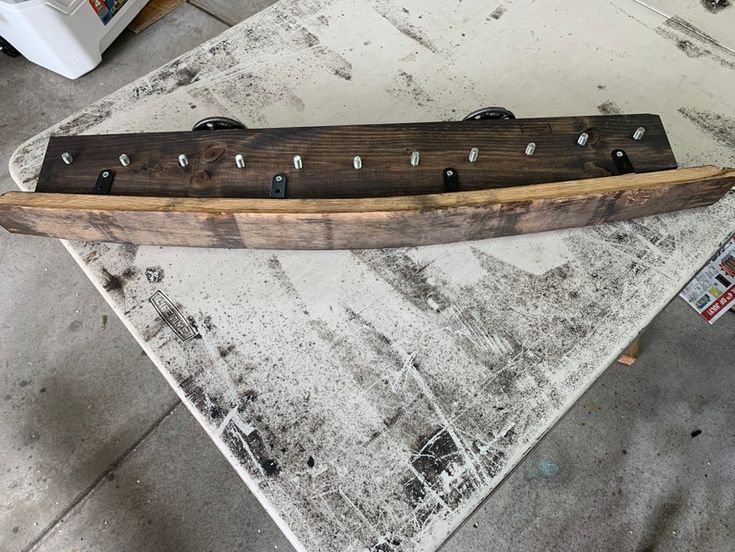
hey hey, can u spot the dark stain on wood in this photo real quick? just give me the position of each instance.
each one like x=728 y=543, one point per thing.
x=327 y=154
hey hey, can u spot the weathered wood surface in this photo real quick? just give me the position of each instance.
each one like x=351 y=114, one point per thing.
x=367 y=223
x=327 y=154
x=417 y=378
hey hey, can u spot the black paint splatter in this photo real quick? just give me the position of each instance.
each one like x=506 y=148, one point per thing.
x=715 y=6
x=115 y=282
x=239 y=443
x=411 y=31
x=112 y=282
x=343 y=73
x=720 y=127
x=609 y=108
x=694 y=42
x=154 y=274
x=225 y=351
x=206 y=403
x=436 y=456
x=407 y=277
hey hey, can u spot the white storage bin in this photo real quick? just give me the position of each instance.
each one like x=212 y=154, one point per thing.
x=65 y=36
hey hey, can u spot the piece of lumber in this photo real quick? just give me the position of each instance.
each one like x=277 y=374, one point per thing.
x=328 y=154
x=152 y=12
x=361 y=223
x=630 y=354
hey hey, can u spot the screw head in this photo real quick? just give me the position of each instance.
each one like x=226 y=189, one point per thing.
x=105 y=174
x=279 y=178
x=618 y=153
x=449 y=173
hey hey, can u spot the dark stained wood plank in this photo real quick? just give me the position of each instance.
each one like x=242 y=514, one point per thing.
x=327 y=154
x=361 y=223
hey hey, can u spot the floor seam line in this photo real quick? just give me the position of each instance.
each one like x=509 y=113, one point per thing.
x=95 y=483
x=210 y=14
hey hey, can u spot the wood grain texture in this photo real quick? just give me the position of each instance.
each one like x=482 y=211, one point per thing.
x=327 y=154
x=152 y=12
x=361 y=223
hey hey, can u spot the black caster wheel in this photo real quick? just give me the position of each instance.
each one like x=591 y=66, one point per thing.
x=490 y=113
x=218 y=123
x=7 y=48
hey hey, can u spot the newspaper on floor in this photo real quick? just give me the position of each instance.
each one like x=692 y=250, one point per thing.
x=712 y=292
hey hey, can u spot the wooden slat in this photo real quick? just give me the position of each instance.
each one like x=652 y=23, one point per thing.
x=152 y=12
x=327 y=154
x=361 y=223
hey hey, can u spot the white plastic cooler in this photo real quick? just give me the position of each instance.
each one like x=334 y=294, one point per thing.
x=65 y=36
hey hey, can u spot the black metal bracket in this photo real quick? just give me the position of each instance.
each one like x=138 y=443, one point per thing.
x=218 y=123
x=278 y=187
x=490 y=113
x=622 y=162
x=451 y=180
x=104 y=182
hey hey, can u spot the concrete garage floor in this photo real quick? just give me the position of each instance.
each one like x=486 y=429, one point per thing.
x=87 y=456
